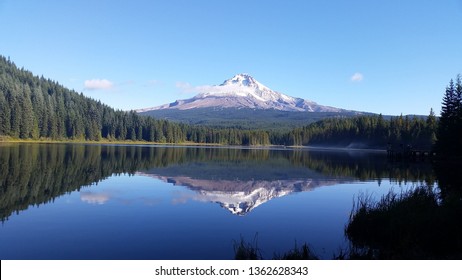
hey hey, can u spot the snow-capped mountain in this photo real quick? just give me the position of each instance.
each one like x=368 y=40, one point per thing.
x=243 y=91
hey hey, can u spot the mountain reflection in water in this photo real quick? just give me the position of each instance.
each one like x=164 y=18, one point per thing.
x=241 y=197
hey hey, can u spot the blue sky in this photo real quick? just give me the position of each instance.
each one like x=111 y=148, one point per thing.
x=387 y=57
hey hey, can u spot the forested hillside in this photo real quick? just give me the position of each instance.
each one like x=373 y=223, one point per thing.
x=33 y=107
x=246 y=118
x=368 y=131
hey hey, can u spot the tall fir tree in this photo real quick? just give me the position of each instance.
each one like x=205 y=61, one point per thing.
x=431 y=126
x=449 y=135
x=458 y=118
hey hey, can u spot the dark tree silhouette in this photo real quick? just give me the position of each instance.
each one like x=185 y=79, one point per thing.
x=449 y=135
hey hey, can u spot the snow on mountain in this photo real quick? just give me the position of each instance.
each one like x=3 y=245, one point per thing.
x=243 y=91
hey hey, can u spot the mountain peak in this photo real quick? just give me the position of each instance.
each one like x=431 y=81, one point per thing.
x=243 y=91
x=245 y=80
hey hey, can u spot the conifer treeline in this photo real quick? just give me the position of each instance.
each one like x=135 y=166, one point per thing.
x=368 y=131
x=33 y=107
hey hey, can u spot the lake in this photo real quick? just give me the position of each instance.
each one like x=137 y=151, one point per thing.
x=84 y=201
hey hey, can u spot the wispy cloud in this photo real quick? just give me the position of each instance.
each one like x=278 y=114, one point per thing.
x=357 y=77
x=187 y=88
x=96 y=84
x=94 y=198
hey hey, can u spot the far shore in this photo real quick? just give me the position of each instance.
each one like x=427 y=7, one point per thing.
x=102 y=142
x=9 y=140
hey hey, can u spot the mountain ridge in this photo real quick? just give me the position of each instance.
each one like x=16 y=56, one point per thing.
x=244 y=91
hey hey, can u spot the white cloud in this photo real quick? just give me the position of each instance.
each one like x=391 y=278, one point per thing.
x=96 y=84
x=357 y=77
x=94 y=198
x=187 y=88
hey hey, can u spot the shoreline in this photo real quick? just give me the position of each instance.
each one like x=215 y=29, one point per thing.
x=102 y=142
x=184 y=144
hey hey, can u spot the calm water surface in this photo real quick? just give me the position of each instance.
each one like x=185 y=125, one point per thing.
x=63 y=201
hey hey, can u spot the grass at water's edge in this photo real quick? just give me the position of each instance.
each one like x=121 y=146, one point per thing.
x=250 y=251
x=7 y=139
x=415 y=224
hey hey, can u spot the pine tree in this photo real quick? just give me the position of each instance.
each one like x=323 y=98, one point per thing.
x=458 y=117
x=5 y=117
x=27 y=114
x=449 y=135
x=431 y=126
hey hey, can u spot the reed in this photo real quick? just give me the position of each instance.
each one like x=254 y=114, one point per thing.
x=412 y=224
